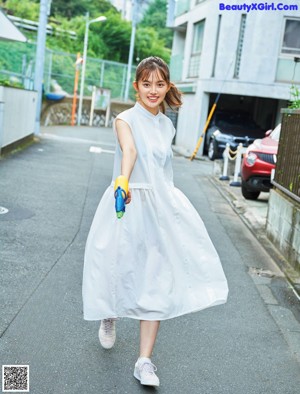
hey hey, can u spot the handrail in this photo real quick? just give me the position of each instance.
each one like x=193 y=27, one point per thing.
x=286 y=191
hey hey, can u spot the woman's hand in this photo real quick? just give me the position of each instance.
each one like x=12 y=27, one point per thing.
x=128 y=199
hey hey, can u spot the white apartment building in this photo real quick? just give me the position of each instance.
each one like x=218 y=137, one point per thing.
x=126 y=8
x=250 y=56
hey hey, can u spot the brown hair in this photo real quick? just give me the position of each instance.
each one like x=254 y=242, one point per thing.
x=154 y=63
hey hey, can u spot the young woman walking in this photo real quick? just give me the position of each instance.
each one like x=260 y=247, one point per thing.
x=157 y=262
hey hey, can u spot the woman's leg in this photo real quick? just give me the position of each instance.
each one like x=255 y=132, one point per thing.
x=148 y=333
x=144 y=370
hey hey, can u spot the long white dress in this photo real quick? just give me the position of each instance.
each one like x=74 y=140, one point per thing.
x=158 y=261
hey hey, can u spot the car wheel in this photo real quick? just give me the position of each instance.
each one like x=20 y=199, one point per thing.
x=212 y=150
x=248 y=194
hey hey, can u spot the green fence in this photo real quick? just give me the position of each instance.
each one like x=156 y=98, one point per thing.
x=17 y=62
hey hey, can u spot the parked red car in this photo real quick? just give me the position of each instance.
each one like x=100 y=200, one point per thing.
x=258 y=162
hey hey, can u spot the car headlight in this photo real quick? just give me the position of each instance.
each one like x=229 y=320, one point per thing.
x=224 y=137
x=251 y=158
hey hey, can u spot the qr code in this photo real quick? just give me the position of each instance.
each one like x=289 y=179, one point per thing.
x=15 y=378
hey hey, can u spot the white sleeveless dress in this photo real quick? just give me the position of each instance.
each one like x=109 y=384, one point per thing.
x=158 y=261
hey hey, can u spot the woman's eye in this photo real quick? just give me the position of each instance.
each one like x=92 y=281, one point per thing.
x=161 y=85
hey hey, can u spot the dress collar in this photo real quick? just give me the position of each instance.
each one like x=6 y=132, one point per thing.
x=147 y=113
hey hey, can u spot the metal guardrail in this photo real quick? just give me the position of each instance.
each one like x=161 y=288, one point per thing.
x=287 y=192
x=28 y=24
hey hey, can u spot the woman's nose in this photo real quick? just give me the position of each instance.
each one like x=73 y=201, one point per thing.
x=153 y=88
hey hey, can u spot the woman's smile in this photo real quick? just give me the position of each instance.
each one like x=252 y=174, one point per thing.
x=153 y=98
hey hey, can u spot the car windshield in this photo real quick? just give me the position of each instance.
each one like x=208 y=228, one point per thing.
x=276 y=133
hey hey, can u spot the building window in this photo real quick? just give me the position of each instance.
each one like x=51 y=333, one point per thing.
x=239 y=48
x=196 y=49
x=291 y=37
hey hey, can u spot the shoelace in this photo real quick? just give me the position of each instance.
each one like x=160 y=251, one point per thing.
x=148 y=368
x=108 y=324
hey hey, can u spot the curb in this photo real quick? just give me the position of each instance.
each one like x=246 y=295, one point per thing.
x=257 y=227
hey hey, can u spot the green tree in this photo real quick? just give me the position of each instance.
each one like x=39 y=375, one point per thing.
x=111 y=36
x=26 y=9
x=148 y=43
x=156 y=16
x=71 y=8
x=107 y=40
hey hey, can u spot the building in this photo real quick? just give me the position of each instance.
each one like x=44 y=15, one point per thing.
x=126 y=8
x=250 y=56
x=8 y=31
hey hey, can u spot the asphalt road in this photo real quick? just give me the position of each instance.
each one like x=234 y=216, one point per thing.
x=248 y=346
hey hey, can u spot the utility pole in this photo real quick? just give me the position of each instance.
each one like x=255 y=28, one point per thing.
x=84 y=57
x=39 y=60
x=78 y=65
x=131 y=48
x=84 y=60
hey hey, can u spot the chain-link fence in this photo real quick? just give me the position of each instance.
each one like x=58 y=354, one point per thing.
x=17 y=62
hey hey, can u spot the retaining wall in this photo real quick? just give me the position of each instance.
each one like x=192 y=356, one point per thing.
x=59 y=113
x=283 y=226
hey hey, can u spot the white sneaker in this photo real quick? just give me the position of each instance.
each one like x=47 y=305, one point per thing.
x=144 y=371
x=107 y=333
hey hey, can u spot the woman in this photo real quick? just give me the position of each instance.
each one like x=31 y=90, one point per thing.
x=158 y=261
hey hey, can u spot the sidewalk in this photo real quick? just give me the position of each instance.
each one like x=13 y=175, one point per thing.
x=254 y=214
x=51 y=190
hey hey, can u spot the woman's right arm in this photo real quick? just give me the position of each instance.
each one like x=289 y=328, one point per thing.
x=129 y=153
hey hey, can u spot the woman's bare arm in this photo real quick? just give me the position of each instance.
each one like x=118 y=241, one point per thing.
x=129 y=153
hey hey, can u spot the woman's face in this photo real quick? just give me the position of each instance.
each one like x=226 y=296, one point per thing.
x=151 y=91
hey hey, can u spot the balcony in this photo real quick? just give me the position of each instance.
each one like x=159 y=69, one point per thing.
x=288 y=70
x=182 y=6
x=176 y=66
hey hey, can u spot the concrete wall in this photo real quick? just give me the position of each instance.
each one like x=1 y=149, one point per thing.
x=17 y=114
x=283 y=226
x=191 y=122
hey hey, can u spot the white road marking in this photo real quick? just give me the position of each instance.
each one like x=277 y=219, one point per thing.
x=98 y=149
x=74 y=139
x=3 y=210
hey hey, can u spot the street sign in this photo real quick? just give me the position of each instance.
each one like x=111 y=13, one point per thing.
x=100 y=101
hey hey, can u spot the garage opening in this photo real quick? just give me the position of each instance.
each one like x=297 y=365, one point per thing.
x=238 y=119
x=262 y=110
